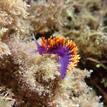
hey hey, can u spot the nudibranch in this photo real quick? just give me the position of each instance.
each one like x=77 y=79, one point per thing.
x=64 y=48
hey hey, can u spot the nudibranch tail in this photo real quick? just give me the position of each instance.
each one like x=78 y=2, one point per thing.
x=65 y=49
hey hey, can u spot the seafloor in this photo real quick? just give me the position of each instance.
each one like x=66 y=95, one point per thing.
x=29 y=79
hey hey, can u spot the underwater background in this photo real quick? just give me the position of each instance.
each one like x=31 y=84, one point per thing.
x=53 y=53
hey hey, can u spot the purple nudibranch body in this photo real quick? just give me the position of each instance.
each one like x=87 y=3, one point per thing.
x=65 y=49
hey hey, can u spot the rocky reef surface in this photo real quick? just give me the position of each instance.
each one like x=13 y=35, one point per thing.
x=28 y=79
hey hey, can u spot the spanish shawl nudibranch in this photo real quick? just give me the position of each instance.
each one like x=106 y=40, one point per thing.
x=65 y=49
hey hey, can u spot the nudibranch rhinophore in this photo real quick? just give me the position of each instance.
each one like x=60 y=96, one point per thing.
x=64 y=48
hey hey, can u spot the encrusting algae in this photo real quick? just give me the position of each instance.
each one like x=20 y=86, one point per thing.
x=31 y=70
x=35 y=79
